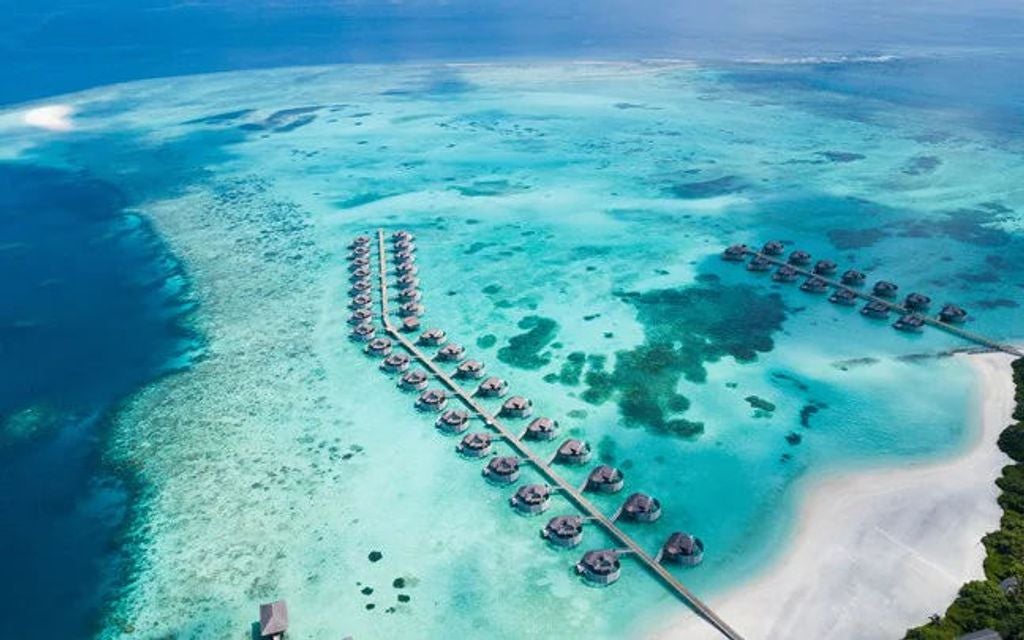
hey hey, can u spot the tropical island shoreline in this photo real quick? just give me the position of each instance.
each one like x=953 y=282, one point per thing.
x=877 y=552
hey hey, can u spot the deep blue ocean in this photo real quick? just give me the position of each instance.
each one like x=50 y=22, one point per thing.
x=86 y=317
x=93 y=306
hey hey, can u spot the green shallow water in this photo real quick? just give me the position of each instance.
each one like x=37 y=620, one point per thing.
x=563 y=210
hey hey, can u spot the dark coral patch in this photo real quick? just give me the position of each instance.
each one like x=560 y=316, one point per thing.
x=996 y=303
x=762 y=408
x=921 y=165
x=572 y=368
x=707 y=188
x=808 y=411
x=684 y=329
x=846 y=239
x=970 y=226
x=841 y=156
x=526 y=349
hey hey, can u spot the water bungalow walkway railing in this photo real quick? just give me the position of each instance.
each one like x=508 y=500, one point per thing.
x=892 y=306
x=572 y=493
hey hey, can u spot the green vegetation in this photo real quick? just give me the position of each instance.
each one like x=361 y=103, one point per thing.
x=982 y=604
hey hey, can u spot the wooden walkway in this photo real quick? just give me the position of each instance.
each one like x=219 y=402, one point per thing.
x=573 y=494
x=893 y=306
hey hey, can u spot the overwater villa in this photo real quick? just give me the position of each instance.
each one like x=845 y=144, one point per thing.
x=273 y=620
x=359 y=241
x=359 y=273
x=433 y=337
x=451 y=352
x=409 y=295
x=359 y=251
x=396 y=362
x=885 y=289
x=453 y=421
x=492 y=387
x=404 y=245
x=785 y=273
x=952 y=313
x=410 y=324
x=361 y=285
x=563 y=531
x=853 y=278
x=800 y=258
x=825 y=267
x=502 y=469
x=605 y=479
x=640 y=507
x=843 y=296
x=405 y=256
x=773 y=248
x=475 y=445
x=409 y=309
x=875 y=309
x=682 y=548
x=573 y=451
x=735 y=253
x=517 y=407
x=432 y=400
x=470 y=369
x=360 y=315
x=917 y=302
x=407 y=268
x=408 y=281
x=414 y=380
x=356 y=263
x=541 y=429
x=360 y=300
x=909 y=322
x=531 y=498
x=600 y=566
x=364 y=332
x=814 y=284
x=759 y=263
x=398 y=236
x=378 y=347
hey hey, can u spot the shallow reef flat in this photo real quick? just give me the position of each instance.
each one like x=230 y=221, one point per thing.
x=568 y=219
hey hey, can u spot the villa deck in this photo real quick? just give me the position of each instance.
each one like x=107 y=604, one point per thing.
x=592 y=513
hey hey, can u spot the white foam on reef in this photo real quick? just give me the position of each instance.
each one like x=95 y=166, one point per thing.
x=815 y=60
x=52 y=117
x=276 y=464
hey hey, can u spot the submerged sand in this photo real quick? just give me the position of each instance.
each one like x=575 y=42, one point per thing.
x=877 y=552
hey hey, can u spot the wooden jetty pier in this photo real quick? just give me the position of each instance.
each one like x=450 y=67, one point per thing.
x=574 y=495
x=970 y=336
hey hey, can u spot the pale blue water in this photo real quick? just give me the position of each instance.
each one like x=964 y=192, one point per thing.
x=595 y=197
x=568 y=192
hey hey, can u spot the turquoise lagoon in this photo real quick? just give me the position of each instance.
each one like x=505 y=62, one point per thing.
x=569 y=219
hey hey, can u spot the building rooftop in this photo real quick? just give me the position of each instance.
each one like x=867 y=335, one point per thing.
x=503 y=465
x=273 y=619
x=601 y=561
x=564 y=526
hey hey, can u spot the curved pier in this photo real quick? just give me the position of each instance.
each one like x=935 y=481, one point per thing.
x=572 y=493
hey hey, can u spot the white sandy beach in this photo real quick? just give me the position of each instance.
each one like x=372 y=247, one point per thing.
x=876 y=552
